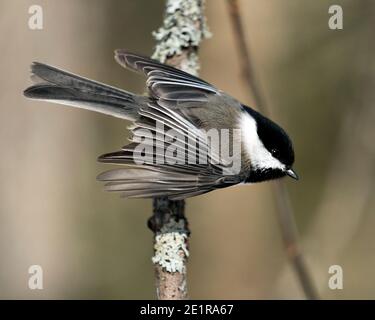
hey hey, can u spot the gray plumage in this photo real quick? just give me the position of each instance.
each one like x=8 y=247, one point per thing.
x=179 y=100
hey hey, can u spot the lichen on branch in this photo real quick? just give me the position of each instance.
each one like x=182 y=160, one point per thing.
x=184 y=27
x=171 y=248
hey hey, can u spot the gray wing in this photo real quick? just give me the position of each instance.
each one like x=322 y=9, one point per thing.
x=165 y=82
x=175 y=176
x=195 y=99
x=181 y=103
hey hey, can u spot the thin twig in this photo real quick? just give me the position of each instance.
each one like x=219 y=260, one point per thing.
x=184 y=27
x=284 y=208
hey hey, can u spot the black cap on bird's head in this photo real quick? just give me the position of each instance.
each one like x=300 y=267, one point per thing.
x=274 y=156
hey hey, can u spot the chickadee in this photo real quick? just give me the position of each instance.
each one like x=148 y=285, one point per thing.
x=182 y=102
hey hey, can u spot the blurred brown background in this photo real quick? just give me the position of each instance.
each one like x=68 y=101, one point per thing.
x=91 y=244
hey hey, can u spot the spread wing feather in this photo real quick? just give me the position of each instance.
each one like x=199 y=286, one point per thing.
x=165 y=82
x=176 y=177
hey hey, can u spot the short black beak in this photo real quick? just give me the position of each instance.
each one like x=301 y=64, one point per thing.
x=292 y=174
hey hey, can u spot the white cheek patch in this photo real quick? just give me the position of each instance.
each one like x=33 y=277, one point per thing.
x=260 y=157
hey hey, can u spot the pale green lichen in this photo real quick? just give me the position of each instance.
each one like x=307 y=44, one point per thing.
x=171 y=247
x=184 y=26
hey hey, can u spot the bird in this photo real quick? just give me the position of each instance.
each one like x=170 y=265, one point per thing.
x=186 y=104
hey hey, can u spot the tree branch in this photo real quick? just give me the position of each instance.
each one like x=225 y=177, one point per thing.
x=184 y=27
x=284 y=208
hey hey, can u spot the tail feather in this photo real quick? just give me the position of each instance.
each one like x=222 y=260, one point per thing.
x=69 y=89
x=113 y=106
x=65 y=79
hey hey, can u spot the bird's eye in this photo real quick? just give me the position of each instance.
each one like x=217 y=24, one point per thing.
x=275 y=153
